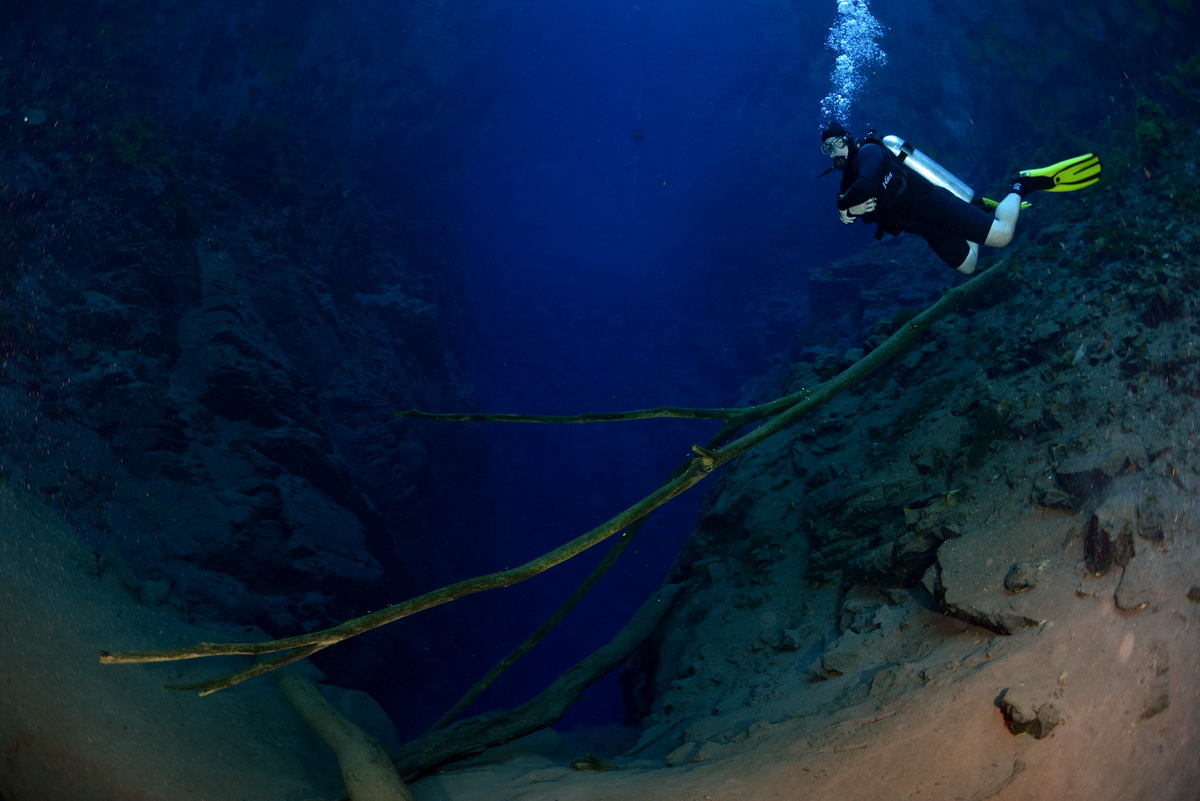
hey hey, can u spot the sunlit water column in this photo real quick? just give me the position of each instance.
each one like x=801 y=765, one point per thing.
x=854 y=38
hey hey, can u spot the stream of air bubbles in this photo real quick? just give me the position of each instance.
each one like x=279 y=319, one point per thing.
x=854 y=38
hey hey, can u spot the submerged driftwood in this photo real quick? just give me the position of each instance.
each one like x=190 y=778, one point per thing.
x=776 y=416
x=367 y=771
x=473 y=736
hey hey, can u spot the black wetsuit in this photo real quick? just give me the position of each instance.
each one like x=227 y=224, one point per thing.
x=904 y=201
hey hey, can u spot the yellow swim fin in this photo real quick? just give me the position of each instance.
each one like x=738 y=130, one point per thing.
x=1065 y=176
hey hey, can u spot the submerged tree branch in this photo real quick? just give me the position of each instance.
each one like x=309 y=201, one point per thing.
x=311 y=643
x=784 y=412
x=439 y=746
x=567 y=419
x=473 y=736
x=367 y=770
x=540 y=634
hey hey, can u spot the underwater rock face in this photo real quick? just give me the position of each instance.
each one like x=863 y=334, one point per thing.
x=61 y=704
x=1108 y=539
x=1082 y=482
x=1136 y=515
x=1055 y=543
x=209 y=324
x=23 y=180
x=207 y=423
x=34 y=116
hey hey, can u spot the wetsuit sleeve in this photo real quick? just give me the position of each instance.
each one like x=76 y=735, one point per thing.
x=872 y=167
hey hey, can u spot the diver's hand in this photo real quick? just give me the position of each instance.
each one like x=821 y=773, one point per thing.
x=845 y=217
x=866 y=207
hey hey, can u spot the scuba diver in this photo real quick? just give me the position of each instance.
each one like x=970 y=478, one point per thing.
x=889 y=183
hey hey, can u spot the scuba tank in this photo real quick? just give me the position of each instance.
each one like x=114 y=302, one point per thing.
x=927 y=168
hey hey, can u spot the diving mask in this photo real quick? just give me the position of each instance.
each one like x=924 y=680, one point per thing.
x=833 y=144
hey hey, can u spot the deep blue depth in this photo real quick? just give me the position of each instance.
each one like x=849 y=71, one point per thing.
x=609 y=273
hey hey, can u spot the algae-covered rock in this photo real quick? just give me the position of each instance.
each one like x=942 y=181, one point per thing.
x=1023 y=576
x=1110 y=531
x=1024 y=715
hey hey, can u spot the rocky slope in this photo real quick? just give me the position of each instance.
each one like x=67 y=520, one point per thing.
x=976 y=574
x=204 y=331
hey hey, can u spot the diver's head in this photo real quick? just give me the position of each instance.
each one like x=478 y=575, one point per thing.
x=837 y=143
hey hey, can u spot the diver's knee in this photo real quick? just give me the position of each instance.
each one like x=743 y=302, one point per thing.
x=972 y=259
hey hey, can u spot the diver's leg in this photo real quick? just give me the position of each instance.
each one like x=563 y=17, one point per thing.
x=1005 y=224
x=968 y=265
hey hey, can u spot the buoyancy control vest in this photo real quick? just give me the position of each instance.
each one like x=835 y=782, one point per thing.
x=909 y=178
x=898 y=185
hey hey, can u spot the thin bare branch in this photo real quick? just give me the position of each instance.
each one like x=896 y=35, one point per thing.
x=784 y=412
x=568 y=419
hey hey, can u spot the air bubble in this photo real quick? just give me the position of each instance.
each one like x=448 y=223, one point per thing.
x=854 y=38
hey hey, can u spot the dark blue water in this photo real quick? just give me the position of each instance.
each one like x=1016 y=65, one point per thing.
x=629 y=185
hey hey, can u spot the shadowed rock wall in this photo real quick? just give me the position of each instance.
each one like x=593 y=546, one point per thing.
x=1027 y=470
x=205 y=327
